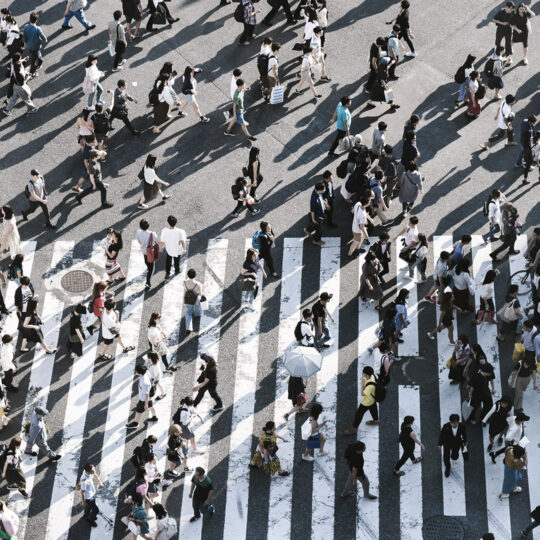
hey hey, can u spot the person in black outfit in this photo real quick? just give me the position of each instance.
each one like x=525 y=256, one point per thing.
x=38 y=197
x=119 y=106
x=354 y=454
x=504 y=29
x=254 y=172
x=23 y=293
x=479 y=394
x=374 y=62
x=408 y=440
x=411 y=125
x=96 y=181
x=317 y=207
x=76 y=332
x=535 y=515
x=276 y=4
x=410 y=151
x=208 y=381
x=452 y=439
x=382 y=249
x=266 y=238
x=496 y=418
x=296 y=392
x=155 y=6
x=329 y=197
x=320 y=312
x=402 y=20
x=509 y=217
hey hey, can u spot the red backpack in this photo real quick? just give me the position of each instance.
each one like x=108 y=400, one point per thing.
x=152 y=250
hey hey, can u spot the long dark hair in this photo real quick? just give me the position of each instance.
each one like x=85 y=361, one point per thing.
x=253 y=154
x=489 y=277
x=402 y=296
x=469 y=62
x=85 y=114
x=315 y=411
x=91 y=58
x=119 y=241
x=153 y=319
x=407 y=421
x=8 y=211
x=187 y=72
x=151 y=161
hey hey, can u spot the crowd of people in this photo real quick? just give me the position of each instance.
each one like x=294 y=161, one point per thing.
x=372 y=177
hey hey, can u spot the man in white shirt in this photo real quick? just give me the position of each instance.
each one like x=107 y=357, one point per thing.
x=306 y=329
x=237 y=74
x=393 y=52
x=7 y=353
x=272 y=73
x=143 y=237
x=494 y=215
x=144 y=398
x=110 y=330
x=360 y=218
x=37 y=197
x=504 y=119
x=173 y=240
x=88 y=493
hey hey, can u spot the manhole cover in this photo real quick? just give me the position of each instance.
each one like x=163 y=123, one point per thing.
x=420 y=370
x=77 y=281
x=442 y=528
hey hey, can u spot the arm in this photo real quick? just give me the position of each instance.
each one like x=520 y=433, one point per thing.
x=334 y=116
x=328 y=313
x=417 y=440
x=488 y=415
x=204 y=383
x=207 y=502
x=68 y=5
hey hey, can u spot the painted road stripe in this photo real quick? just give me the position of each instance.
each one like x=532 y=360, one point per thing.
x=498 y=510
x=41 y=373
x=410 y=485
x=63 y=494
x=216 y=259
x=279 y=513
x=118 y=406
x=449 y=403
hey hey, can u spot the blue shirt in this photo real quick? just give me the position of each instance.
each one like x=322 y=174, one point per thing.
x=377 y=191
x=343 y=117
x=458 y=252
x=316 y=205
x=33 y=37
x=87 y=487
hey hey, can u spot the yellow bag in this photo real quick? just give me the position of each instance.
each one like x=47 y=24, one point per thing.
x=449 y=362
x=519 y=352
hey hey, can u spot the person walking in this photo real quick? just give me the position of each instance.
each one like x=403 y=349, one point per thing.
x=147 y=240
x=464 y=72
x=503 y=22
x=132 y=12
x=315 y=438
x=510 y=220
x=189 y=91
x=157 y=340
x=354 y=455
x=393 y=52
x=402 y=20
x=37 y=435
x=515 y=459
x=265 y=455
x=254 y=172
x=504 y=119
x=159 y=6
x=151 y=183
x=20 y=90
x=375 y=52
x=382 y=249
x=262 y=241
x=514 y=433
x=359 y=227
x=177 y=452
x=508 y=322
x=475 y=93
x=37 y=196
x=208 y=381
x=418 y=259
x=526 y=139
x=238 y=112
x=119 y=106
x=368 y=402
x=183 y=417
x=250 y=20
x=96 y=181
x=76 y=334
x=110 y=331
x=520 y=25
x=112 y=250
x=284 y=4
x=463 y=285
x=452 y=439
x=192 y=298
x=296 y=388
x=370 y=283
x=75 y=8
x=201 y=493
x=378 y=203
x=320 y=313
x=411 y=187
x=31 y=328
x=497 y=417
x=522 y=372
x=173 y=240
x=240 y=195
x=249 y=276
x=88 y=493
x=342 y=118
x=494 y=71
x=446 y=319
x=317 y=210
x=34 y=39
x=330 y=195
x=408 y=439
x=117 y=37
x=304 y=330
x=481 y=377
x=10 y=239
x=7 y=356
x=91 y=85
x=441 y=277
x=270 y=77
x=535 y=516
x=12 y=471
x=309 y=58
x=144 y=402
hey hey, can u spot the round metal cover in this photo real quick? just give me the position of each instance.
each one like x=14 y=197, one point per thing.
x=77 y=281
x=443 y=528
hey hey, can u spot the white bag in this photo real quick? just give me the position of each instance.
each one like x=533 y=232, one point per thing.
x=111 y=48
x=524 y=442
x=87 y=85
x=276 y=97
x=204 y=303
x=306 y=429
x=346 y=143
x=389 y=95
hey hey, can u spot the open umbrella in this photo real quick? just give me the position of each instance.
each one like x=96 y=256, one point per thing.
x=303 y=361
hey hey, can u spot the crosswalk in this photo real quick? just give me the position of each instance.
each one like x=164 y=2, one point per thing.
x=97 y=400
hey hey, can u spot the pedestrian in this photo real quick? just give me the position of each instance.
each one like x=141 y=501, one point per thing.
x=374 y=62
x=119 y=106
x=110 y=331
x=520 y=24
x=84 y=127
x=309 y=59
x=88 y=493
x=510 y=220
x=96 y=181
x=380 y=91
x=132 y=12
x=153 y=477
x=389 y=164
x=441 y=277
x=189 y=91
x=354 y=455
x=463 y=287
x=18 y=78
x=401 y=319
x=409 y=153
x=329 y=197
x=137 y=520
x=497 y=417
x=502 y=20
x=157 y=340
x=265 y=455
x=117 y=38
x=378 y=141
x=464 y=72
x=112 y=249
x=284 y=4
x=9 y=519
x=144 y=402
x=173 y=240
x=75 y=8
x=446 y=319
x=12 y=471
x=76 y=334
x=514 y=433
x=37 y=196
x=166 y=526
x=183 y=417
x=37 y=435
x=159 y=6
x=254 y=172
x=535 y=515
x=3 y=309
x=342 y=117
x=515 y=459
x=418 y=259
x=520 y=379
x=240 y=195
x=91 y=85
x=318 y=53
x=533 y=158
x=238 y=111
x=322 y=18
x=237 y=74
x=88 y=143
x=460 y=359
x=262 y=241
x=151 y=183
x=408 y=439
x=31 y=328
x=270 y=78
x=7 y=356
x=10 y=239
x=509 y=315
x=164 y=99
x=370 y=283
x=208 y=381
x=410 y=236
x=315 y=438
x=147 y=240
x=504 y=119
x=526 y=139
x=97 y=303
x=304 y=329
x=475 y=93
x=452 y=439
x=382 y=249
x=155 y=372
x=411 y=187
x=201 y=493
x=402 y=20
x=34 y=39
x=296 y=386
x=367 y=403
x=320 y=313
x=458 y=250
x=317 y=211
x=359 y=230
x=192 y=298
x=494 y=214
x=494 y=70
x=250 y=278
x=177 y=452
x=393 y=52
x=480 y=379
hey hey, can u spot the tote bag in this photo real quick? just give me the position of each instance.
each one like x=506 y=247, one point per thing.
x=276 y=97
x=507 y=313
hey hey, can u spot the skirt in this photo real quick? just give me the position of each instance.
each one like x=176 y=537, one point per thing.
x=186 y=432
x=150 y=190
x=75 y=347
x=161 y=113
x=473 y=109
x=462 y=299
x=32 y=335
x=272 y=467
x=112 y=266
x=15 y=477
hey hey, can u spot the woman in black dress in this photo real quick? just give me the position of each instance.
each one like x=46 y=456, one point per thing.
x=407 y=439
x=267 y=238
x=177 y=451
x=380 y=87
x=254 y=171
x=31 y=328
x=76 y=332
x=112 y=266
x=520 y=33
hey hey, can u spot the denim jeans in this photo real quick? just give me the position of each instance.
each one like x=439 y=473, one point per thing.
x=417 y=264
x=79 y=15
x=323 y=338
x=97 y=92
x=462 y=91
x=100 y=186
x=492 y=231
x=192 y=310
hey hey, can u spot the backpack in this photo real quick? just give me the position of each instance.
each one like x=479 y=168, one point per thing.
x=485 y=208
x=136 y=460
x=131 y=488
x=481 y=92
x=176 y=416
x=256 y=240
x=262 y=63
x=380 y=390
x=152 y=249
x=235 y=192
x=459 y=77
x=488 y=68
x=12 y=272
x=91 y=306
x=239 y=13
x=298 y=332
x=3 y=455
x=153 y=97
x=27 y=191
x=341 y=170
x=101 y=122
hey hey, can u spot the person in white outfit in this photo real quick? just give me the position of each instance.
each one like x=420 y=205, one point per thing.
x=10 y=239
x=91 y=84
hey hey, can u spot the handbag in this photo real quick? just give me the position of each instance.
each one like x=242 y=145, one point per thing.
x=306 y=429
x=152 y=250
x=507 y=313
x=204 y=303
x=388 y=95
x=158 y=17
x=466 y=410
x=276 y=97
x=247 y=284
x=111 y=48
x=87 y=85
x=298 y=47
x=346 y=143
x=519 y=352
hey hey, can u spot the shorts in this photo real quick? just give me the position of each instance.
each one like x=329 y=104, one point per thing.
x=85 y=174
x=357 y=237
x=108 y=341
x=140 y=406
x=100 y=137
x=132 y=16
x=190 y=98
x=314 y=441
x=495 y=82
x=240 y=119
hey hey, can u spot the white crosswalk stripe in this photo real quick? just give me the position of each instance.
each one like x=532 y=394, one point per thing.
x=243 y=429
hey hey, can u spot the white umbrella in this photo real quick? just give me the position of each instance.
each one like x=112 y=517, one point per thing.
x=303 y=361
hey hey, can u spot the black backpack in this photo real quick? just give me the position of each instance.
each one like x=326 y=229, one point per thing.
x=485 y=208
x=136 y=458
x=298 y=332
x=341 y=170
x=12 y=273
x=380 y=390
x=235 y=192
x=239 y=13
x=27 y=191
x=262 y=63
x=488 y=68
x=459 y=77
x=153 y=97
x=101 y=122
x=481 y=92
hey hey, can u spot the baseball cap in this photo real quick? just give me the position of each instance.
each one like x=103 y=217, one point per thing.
x=41 y=412
x=35 y=172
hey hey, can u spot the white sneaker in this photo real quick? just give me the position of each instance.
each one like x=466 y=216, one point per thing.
x=517 y=489
x=323 y=453
x=504 y=496
x=199 y=451
x=409 y=277
x=166 y=483
x=226 y=115
x=92 y=108
x=411 y=54
x=308 y=458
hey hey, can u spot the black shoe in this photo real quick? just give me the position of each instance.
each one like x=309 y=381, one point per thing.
x=90 y=329
x=107 y=205
x=153 y=419
x=492 y=456
x=447 y=472
x=55 y=458
x=514 y=252
x=194 y=518
x=136 y=133
x=91 y=27
x=30 y=453
x=292 y=21
x=24 y=216
x=78 y=199
x=68 y=27
x=91 y=521
x=132 y=425
x=524 y=534
x=51 y=226
x=225 y=2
